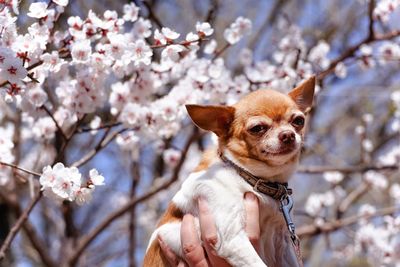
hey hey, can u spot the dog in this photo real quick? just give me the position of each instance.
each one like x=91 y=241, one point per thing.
x=259 y=144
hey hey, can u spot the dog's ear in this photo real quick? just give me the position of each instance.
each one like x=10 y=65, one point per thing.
x=212 y=118
x=303 y=94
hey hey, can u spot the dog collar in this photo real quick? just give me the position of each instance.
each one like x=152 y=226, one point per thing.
x=275 y=190
x=278 y=191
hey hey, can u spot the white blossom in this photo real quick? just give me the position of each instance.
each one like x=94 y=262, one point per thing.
x=81 y=51
x=12 y=70
x=61 y=2
x=376 y=179
x=333 y=177
x=96 y=178
x=388 y=52
x=169 y=34
x=38 y=10
x=237 y=30
x=142 y=53
x=131 y=12
x=341 y=70
x=171 y=53
x=171 y=157
x=318 y=54
x=204 y=28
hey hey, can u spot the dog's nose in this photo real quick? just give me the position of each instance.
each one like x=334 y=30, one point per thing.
x=287 y=137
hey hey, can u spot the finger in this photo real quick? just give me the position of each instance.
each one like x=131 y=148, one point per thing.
x=171 y=257
x=191 y=244
x=252 y=227
x=182 y=264
x=209 y=234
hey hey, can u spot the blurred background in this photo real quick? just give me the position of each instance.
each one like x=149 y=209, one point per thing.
x=346 y=189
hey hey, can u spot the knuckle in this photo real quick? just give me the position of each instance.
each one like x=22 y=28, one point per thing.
x=189 y=248
x=212 y=240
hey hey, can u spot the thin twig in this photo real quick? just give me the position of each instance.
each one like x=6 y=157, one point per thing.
x=347 y=169
x=152 y=15
x=55 y=122
x=110 y=125
x=352 y=197
x=371 y=7
x=222 y=50
x=20 y=168
x=331 y=226
x=183 y=43
x=17 y=226
x=105 y=140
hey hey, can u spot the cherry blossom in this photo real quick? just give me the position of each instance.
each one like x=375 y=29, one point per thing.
x=237 y=30
x=95 y=178
x=131 y=12
x=12 y=69
x=61 y=2
x=204 y=28
x=171 y=157
x=141 y=53
x=38 y=10
x=66 y=183
x=333 y=177
x=81 y=51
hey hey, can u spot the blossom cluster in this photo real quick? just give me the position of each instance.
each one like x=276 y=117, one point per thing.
x=60 y=182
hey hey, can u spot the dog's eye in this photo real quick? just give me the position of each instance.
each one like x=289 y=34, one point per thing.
x=298 y=121
x=258 y=129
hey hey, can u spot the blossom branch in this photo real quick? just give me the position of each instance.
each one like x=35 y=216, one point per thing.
x=350 y=52
x=183 y=43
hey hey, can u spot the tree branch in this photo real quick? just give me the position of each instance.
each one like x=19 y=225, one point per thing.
x=328 y=227
x=348 y=169
x=20 y=168
x=17 y=226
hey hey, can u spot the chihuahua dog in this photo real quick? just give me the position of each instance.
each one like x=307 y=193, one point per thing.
x=259 y=143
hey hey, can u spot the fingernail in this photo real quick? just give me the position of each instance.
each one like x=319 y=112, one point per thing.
x=249 y=196
x=160 y=240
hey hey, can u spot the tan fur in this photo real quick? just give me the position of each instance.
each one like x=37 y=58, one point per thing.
x=209 y=156
x=154 y=256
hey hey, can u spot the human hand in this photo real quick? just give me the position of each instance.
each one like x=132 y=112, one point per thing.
x=194 y=253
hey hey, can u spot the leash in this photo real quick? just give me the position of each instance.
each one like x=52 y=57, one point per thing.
x=278 y=191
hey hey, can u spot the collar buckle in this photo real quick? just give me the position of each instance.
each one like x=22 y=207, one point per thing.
x=255 y=187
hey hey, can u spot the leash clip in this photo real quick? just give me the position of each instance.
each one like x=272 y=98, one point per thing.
x=286 y=207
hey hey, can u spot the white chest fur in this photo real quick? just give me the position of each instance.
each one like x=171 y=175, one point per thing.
x=224 y=191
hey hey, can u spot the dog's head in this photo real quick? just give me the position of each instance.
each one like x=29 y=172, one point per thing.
x=265 y=129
